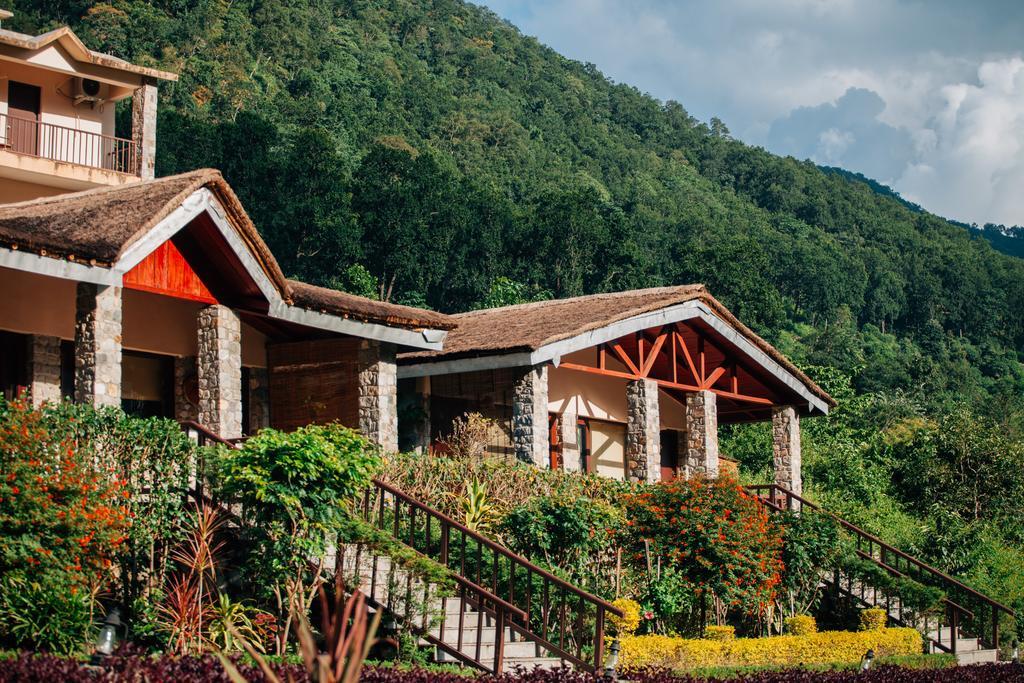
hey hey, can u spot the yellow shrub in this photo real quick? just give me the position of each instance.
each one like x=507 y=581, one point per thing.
x=872 y=619
x=630 y=619
x=801 y=625
x=720 y=632
x=816 y=648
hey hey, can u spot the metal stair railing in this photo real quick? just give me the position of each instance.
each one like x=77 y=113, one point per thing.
x=561 y=618
x=963 y=605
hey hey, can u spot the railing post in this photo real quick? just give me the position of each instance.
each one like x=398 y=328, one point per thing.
x=499 y=637
x=995 y=628
x=445 y=533
x=954 y=627
x=599 y=640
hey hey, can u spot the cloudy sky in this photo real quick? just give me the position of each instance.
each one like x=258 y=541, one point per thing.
x=924 y=95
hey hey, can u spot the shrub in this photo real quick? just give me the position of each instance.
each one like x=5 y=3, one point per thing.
x=720 y=633
x=816 y=648
x=715 y=535
x=51 y=618
x=873 y=619
x=630 y=619
x=801 y=625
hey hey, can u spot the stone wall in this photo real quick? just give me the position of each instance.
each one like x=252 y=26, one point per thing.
x=378 y=393
x=44 y=369
x=144 y=101
x=786 y=448
x=568 y=436
x=220 y=371
x=530 y=439
x=701 y=454
x=98 y=344
x=643 y=431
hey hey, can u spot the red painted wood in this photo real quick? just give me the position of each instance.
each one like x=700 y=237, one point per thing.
x=165 y=271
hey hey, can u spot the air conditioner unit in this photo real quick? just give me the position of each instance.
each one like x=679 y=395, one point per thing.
x=87 y=90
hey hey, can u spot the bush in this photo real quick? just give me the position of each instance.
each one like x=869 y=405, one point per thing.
x=49 y=618
x=801 y=625
x=817 y=648
x=630 y=619
x=873 y=619
x=720 y=633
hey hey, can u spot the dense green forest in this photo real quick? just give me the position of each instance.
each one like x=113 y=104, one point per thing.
x=426 y=152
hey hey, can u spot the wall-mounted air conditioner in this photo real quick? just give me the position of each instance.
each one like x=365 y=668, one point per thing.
x=89 y=91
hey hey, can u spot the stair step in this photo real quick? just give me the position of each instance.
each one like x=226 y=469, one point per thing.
x=977 y=657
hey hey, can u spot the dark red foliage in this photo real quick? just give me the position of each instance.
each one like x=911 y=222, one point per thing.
x=133 y=668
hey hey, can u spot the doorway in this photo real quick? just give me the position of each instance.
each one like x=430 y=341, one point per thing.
x=23 y=108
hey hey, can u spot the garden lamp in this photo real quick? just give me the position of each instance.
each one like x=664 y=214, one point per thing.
x=611 y=662
x=106 y=641
x=865 y=661
x=1015 y=653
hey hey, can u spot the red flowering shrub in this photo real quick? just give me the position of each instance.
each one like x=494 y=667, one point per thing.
x=61 y=511
x=712 y=535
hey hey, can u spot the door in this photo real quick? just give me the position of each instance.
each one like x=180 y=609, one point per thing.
x=670 y=454
x=554 y=442
x=23 y=102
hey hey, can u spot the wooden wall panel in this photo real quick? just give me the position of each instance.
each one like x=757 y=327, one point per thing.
x=165 y=271
x=314 y=382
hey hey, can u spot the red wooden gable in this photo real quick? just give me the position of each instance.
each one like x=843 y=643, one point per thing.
x=165 y=271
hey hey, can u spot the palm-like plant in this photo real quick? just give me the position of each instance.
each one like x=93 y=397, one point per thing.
x=477 y=511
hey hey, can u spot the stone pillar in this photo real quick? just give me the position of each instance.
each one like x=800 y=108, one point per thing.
x=44 y=369
x=701 y=454
x=186 y=389
x=786 y=448
x=219 y=367
x=568 y=435
x=422 y=429
x=98 y=345
x=643 y=431
x=259 y=400
x=378 y=394
x=530 y=440
x=144 y=129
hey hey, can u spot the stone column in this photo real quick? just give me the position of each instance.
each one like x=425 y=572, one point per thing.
x=185 y=378
x=378 y=394
x=568 y=435
x=421 y=429
x=219 y=368
x=643 y=431
x=44 y=369
x=701 y=454
x=144 y=129
x=530 y=440
x=259 y=400
x=786 y=447
x=98 y=345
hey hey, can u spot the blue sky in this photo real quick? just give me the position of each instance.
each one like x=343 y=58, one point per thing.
x=925 y=95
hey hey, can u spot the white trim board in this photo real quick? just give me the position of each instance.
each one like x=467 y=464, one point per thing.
x=553 y=352
x=57 y=267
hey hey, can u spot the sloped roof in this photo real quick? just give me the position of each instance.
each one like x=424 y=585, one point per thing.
x=528 y=327
x=98 y=226
x=332 y=301
x=67 y=38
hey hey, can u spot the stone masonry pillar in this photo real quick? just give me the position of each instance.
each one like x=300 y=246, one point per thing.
x=530 y=417
x=422 y=429
x=44 y=369
x=568 y=436
x=98 y=345
x=184 y=384
x=259 y=400
x=219 y=367
x=786 y=448
x=701 y=454
x=144 y=129
x=643 y=431
x=378 y=394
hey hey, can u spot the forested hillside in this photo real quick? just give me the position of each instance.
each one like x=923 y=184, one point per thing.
x=462 y=164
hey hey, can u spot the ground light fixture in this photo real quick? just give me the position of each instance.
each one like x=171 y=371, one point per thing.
x=106 y=640
x=865 y=661
x=612 y=662
x=1015 y=653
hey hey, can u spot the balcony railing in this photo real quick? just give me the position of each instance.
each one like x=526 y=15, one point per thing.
x=60 y=143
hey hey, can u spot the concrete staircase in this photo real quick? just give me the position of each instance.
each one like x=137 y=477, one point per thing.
x=463 y=628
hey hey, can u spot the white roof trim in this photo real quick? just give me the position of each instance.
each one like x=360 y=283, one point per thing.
x=57 y=267
x=419 y=339
x=555 y=350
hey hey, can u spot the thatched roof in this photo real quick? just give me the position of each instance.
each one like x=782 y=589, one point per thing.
x=334 y=302
x=69 y=41
x=528 y=327
x=97 y=226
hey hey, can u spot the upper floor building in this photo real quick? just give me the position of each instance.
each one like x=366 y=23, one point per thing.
x=57 y=116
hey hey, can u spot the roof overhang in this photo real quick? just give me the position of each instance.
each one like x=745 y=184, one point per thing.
x=204 y=201
x=552 y=352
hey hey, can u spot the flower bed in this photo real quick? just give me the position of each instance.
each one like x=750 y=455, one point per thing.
x=814 y=648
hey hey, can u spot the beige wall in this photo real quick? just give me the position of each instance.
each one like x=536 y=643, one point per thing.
x=602 y=398
x=18 y=191
x=36 y=304
x=608 y=447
